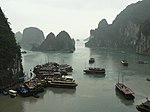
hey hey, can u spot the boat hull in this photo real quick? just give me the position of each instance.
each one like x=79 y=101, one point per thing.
x=126 y=96
x=142 y=109
x=94 y=72
x=71 y=86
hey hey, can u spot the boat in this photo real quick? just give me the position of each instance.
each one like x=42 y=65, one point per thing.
x=66 y=67
x=62 y=83
x=125 y=91
x=124 y=62
x=23 y=52
x=142 y=62
x=148 y=78
x=12 y=93
x=94 y=70
x=91 y=60
x=144 y=107
x=23 y=91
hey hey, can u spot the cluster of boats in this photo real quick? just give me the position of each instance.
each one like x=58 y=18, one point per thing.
x=50 y=74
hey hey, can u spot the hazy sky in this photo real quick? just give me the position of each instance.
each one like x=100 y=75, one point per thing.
x=77 y=17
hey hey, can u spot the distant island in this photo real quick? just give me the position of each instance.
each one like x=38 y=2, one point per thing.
x=33 y=39
x=130 y=29
x=10 y=57
x=62 y=42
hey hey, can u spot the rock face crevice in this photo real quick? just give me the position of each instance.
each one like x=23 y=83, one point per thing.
x=10 y=56
x=124 y=31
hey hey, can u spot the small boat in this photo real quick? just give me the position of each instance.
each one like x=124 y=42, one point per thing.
x=23 y=91
x=125 y=91
x=66 y=67
x=124 y=62
x=94 y=70
x=91 y=60
x=144 y=107
x=142 y=62
x=148 y=79
x=23 y=52
x=12 y=93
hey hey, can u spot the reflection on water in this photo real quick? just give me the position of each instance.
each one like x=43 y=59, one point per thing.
x=62 y=90
x=94 y=92
x=95 y=75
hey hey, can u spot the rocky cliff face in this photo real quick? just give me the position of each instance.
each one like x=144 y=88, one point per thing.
x=32 y=37
x=62 y=42
x=143 y=41
x=49 y=44
x=18 y=36
x=10 y=56
x=123 y=32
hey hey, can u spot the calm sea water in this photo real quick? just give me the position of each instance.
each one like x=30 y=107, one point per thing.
x=93 y=93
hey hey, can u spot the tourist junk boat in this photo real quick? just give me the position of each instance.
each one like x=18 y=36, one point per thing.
x=144 y=107
x=124 y=90
x=62 y=83
x=124 y=62
x=91 y=60
x=94 y=70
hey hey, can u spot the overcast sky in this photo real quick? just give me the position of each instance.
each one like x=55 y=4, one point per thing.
x=77 y=17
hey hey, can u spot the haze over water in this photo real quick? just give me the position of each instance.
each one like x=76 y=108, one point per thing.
x=93 y=93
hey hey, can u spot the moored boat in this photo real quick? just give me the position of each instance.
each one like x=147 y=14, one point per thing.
x=142 y=62
x=12 y=93
x=124 y=62
x=62 y=83
x=94 y=70
x=125 y=91
x=144 y=107
x=91 y=60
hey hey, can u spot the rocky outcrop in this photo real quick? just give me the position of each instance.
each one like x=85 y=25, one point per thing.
x=143 y=42
x=122 y=33
x=10 y=56
x=49 y=44
x=32 y=37
x=62 y=42
x=18 y=36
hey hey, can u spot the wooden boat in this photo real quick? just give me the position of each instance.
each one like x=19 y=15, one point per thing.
x=148 y=79
x=62 y=83
x=124 y=62
x=23 y=52
x=23 y=91
x=91 y=60
x=97 y=70
x=12 y=93
x=144 y=107
x=125 y=91
x=142 y=62
x=66 y=67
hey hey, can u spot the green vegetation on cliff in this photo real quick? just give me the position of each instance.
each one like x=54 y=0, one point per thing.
x=10 y=56
x=122 y=33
